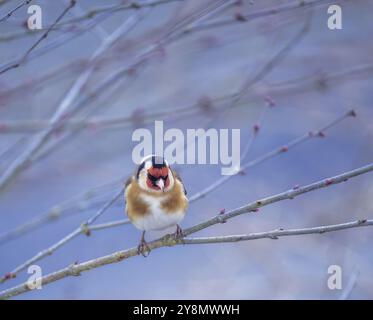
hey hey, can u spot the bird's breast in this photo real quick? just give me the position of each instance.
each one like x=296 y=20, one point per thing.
x=150 y=212
x=158 y=217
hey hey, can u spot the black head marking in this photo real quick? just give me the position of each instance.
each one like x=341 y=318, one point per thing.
x=158 y=162
x=141 y=166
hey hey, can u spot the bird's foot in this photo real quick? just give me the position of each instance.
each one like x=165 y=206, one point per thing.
x=143 y=248
x=178 y=233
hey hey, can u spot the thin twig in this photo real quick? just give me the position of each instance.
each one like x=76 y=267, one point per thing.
x=249 y=17
x=97 y=29
x=43 y=137
x=243 y=18
x=273 y=62
x=86 y=201
x=254 y=134
x=350 y=285
x=83 y=228
x=275 y=152
x=134 y=5
x=276 y=234
x=25 y=56
x=142 y=58
x=65 y=104
x=289 y=194
x=56 y=43
x=286 y=87
x=10 y=13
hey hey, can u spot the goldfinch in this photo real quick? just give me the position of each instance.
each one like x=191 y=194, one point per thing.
x=155 y=198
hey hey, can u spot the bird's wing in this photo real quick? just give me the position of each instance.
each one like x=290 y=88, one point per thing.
x=177 y=176
x=128 y=181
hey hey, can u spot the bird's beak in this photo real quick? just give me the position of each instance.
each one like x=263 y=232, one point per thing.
x=160 y=184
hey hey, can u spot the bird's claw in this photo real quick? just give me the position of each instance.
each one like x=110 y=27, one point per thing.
x=178 y=233
x=143 y=248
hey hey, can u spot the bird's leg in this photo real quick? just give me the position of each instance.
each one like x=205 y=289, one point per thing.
x=143 y=247
x=178 y=233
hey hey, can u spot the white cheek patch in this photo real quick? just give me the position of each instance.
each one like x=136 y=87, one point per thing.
x=172 y=181
x=142 y=180
x=148 y=165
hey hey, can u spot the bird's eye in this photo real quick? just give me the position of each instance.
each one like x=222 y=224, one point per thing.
x=152 y=178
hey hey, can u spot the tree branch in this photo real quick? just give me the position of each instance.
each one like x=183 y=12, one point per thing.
x=276 y=234
x=169 y=240
x=249 y=17
x=10 y=13
x=289 y=194
x=83 y=228
x=44 y=36
x=65 y=104
x=60 y=113
x=87 y=200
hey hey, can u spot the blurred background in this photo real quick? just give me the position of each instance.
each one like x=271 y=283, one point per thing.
x=109 y=67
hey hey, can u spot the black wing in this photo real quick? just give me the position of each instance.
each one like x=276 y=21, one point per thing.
x=128 y=181
x=177 y=176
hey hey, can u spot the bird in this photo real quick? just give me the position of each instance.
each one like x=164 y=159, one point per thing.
x=156 y=199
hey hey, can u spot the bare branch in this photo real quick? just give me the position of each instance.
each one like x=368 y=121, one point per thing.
x=273 y=62
x=25 y=56
x=350 y=285
x=10 y=13
x=97 y=29
x=286 y=87
x=192 y=28
x=87 y=200
x=289 y=194
x=276 y=234
x=40 y=140
x=206 y=13
x=83 y=228
x=169 y=240
x=117 y=8
x=249 y=17
x=59 y=41
x=275 y=152
x=65 y=104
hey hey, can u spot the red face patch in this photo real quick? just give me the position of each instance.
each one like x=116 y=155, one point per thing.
x=158 y=172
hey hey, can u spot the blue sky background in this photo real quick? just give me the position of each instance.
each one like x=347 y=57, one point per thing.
x=208 y=63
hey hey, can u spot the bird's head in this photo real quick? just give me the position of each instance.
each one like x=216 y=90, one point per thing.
x=154 y=175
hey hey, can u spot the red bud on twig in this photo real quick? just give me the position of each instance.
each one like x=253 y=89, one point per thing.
x=352 y=113
x=205 y=103
x=284 y=149
x=270 y=101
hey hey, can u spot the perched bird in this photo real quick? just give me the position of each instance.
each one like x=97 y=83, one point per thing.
x=155 y=198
